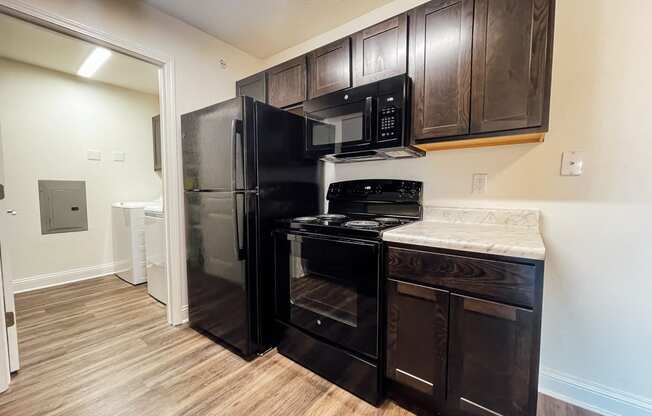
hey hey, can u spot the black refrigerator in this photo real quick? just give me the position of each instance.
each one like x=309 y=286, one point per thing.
x=244 y=166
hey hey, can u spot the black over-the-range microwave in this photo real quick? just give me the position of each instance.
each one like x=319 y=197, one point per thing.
x=370 y=122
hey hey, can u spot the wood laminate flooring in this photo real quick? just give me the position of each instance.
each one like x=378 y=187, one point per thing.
x=103 y=347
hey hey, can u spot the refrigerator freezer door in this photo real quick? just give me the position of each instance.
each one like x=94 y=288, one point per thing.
x=221 y=262
x=215 y=152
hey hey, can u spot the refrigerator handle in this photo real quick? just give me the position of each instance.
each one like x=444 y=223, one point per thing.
x=236 y=128
x=239 y=248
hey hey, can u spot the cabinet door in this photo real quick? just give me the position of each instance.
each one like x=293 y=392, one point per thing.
x=417 y=330
x=330 y=68
x=490 y=359
x=156 y=134
x=287 y=83
x=380 y=51
x=254 y=86
x=510 y=45
x=442 y=68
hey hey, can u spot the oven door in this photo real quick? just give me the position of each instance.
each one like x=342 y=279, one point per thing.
x=345 y=127
x=329 y=287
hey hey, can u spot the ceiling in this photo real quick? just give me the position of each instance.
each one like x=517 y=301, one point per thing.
x=265 y=27
x=25 y=42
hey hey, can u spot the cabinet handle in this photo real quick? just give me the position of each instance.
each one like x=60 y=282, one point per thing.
x=415 y=382
x=419 y=379
x=490 y=308
x=474 y=408
x=417 y=291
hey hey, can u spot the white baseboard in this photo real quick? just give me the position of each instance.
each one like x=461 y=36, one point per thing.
x=40 y=281
x=592 y=396
x=184 y=314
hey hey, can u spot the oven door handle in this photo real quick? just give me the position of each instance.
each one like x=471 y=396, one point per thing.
x=369 y=113
x=300 y=237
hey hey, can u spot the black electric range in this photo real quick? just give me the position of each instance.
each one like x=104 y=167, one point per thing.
x=327 y=276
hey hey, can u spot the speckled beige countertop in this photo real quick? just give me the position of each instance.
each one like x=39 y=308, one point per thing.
x=505 y=232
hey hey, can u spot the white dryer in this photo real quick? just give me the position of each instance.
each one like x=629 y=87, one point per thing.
x=129 y=254
x=155 y=247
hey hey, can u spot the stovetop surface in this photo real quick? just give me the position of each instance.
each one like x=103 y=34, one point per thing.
x=363 y=208
x=355 y=225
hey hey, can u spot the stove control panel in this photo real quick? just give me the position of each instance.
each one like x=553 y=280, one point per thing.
x=385 y=190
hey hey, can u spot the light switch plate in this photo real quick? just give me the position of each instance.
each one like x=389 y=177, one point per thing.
x=118 y=156
x=479 y=183
x=572 y=163
x=94 y=155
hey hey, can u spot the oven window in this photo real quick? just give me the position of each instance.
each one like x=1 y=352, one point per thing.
x=314 y=287
x=343 y=124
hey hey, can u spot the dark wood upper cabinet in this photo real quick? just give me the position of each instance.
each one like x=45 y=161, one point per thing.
x=156 y=135
x=330 y=68
x=286 y=83
x=511 y=58
x=380 y=51
x=254 y=86
x=441 y=68
x=479 y=69
x=417 y=335
x=490 y=359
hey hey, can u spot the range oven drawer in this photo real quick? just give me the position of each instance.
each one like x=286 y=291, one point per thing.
x=328 y=286
x=360 y=377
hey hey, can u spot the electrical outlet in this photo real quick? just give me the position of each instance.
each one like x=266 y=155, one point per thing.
x=94 y=155
x=572 y=163
x=479 y=183
x=118 y=156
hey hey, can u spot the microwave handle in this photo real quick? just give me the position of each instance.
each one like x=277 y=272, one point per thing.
x=369 y=118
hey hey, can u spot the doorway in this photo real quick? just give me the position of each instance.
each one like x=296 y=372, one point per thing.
x=168 y=133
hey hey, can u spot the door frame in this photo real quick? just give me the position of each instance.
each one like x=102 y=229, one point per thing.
x=170 y=136
x=5 y=377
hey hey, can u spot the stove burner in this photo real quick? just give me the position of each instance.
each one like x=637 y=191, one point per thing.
x=331 y=217
x=305 y=219
x=362 y=224
x=387 y=220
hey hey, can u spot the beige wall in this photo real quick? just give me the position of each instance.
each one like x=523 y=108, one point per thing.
x=597 y=227
x=49 y=121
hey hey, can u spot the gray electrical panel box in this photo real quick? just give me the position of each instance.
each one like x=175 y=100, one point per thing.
x=63 y=206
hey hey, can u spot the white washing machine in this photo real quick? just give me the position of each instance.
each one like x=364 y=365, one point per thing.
x=155 y=249
x=129 y=241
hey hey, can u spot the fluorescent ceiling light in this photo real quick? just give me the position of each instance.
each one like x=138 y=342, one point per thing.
x=94 y=61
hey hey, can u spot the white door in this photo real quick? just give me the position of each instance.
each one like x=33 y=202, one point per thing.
x=7 y=293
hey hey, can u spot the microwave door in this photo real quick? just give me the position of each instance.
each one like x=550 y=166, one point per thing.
x=341 y=128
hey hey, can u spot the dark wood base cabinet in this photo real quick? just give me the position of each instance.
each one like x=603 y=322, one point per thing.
x=451 y=347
